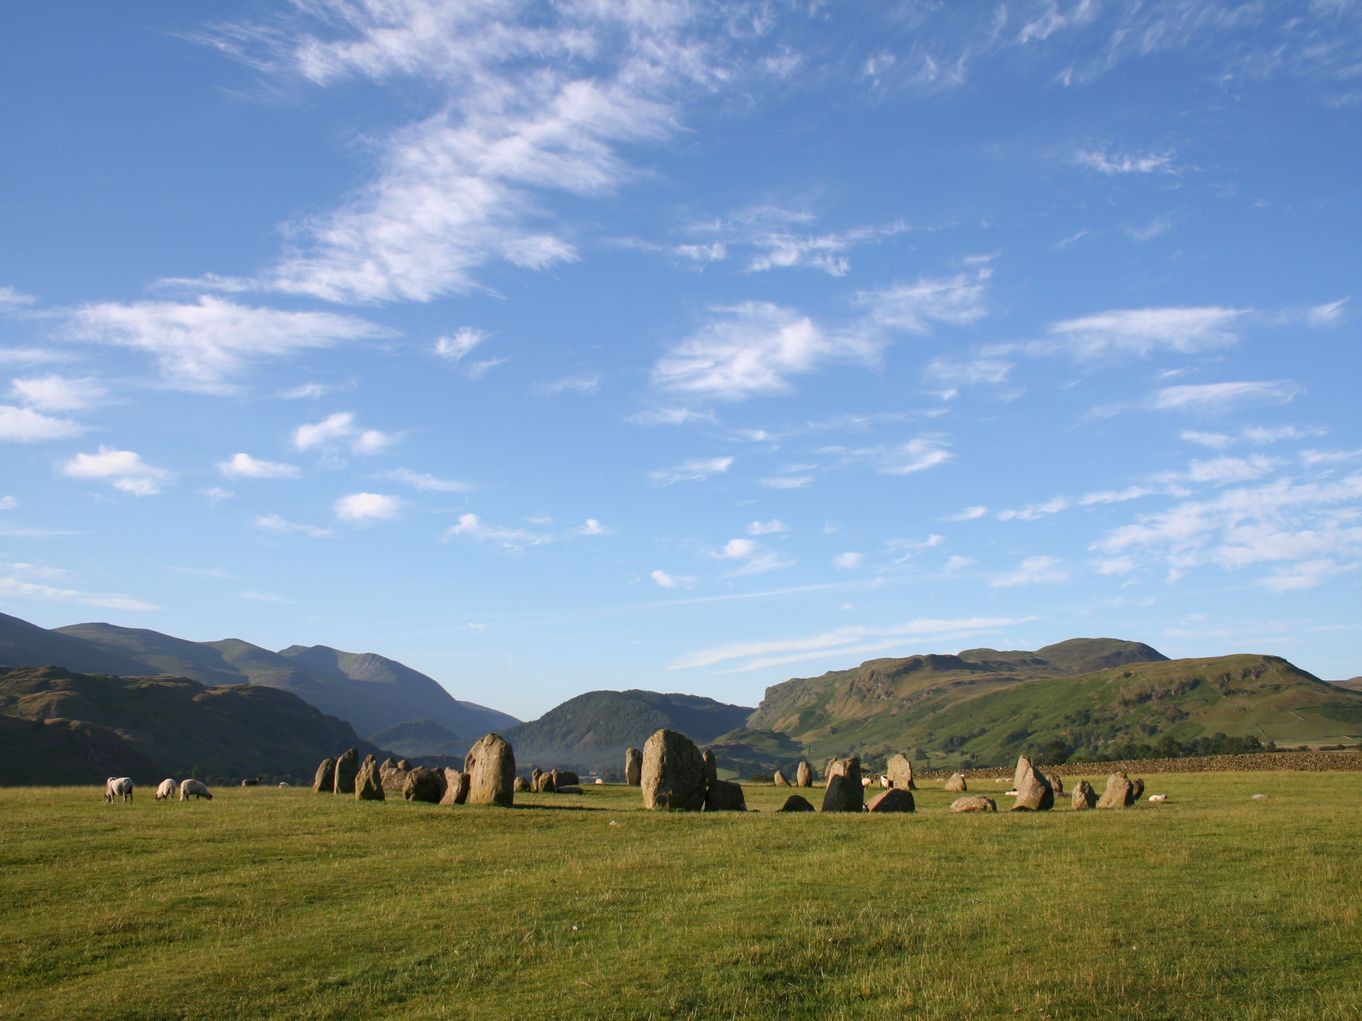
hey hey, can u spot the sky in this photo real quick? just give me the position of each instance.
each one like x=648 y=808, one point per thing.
x=689 y=346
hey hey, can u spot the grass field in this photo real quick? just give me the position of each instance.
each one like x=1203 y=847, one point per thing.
x=268 y=903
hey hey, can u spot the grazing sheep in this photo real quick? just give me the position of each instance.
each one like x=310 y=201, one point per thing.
x=195 y=788
x=166 y=791
x=1158 y=799
x=886 y=783
x=251 y=783
x=117 y=787
x=284 y=783
x=866 y=781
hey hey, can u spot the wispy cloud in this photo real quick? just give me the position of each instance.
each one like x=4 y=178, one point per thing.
x=283 y=526
x=57 y=393
x=208 y=345
x=1212 y=398
x=244 y=466
x=459 y=344
x=471 y=526
x=1107 y=161
x=426 y=482
x=1040 y=570
x=582 y=383
x=341 y=428
x=696 y=469
x=1141 y=331
x=17 y=586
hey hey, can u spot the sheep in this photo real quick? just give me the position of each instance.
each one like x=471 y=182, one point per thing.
x=886 y=783
x=866 y=781
x=117 y=787
x=1158 y=799
x=166 y=791
x=283 y=783
x=195 y=788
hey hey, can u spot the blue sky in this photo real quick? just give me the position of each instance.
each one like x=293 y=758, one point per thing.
x=687 y=346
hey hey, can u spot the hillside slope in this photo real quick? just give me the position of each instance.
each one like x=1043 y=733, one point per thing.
x=85 y=727
x=983 y=707
x=592 y=730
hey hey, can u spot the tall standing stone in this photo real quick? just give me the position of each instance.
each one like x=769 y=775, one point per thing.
x=456 y=787
x=711 y=767
x=845 y=792
x=673 y=773
x=804 y=774
x=346 y=768
x=900 y=773
x=1034 y=793
x=1084 y=797
x=1055 y=782
x=956 y=784
x=633 y=766
x=1023 y=764
x=1120 y=792
x=369 y=781
x=778 y=778
x=490 y=765
x=325 y=780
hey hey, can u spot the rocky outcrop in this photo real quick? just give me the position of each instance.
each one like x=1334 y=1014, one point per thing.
x=674 y=773
x=490 y=765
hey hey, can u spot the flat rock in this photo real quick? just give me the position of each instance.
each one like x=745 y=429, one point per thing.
x=892 y=800
x=974 y=803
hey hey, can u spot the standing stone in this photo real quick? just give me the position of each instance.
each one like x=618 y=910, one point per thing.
x=1034 y=793
x=1120 y=792
x=325 y=780
x=900 y=773
x=673 y=773
x=974 y=803
x=1023 y=764
x=393 y=776
x=368 y=783
x=535 y=774
x=778 y=778
x=1138 y=791
x=804 y=774
x=543 y=782
x=1055 y=782
x=725 y=796
x=633 y=766
x=424 y=784
x=456 y=787
x=892 y=800
x=346 y=768
x=1084 y=797
x=844 y=792
x=794 y=803
x=711 y=767
x=490 y=765
x=403 y=764
x=956 y=784
x=521 y=785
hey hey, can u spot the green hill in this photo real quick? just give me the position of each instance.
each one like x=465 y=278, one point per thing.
x=69 y=727
x=368 y=691
x=422 y=739
x=592 y=730
x=1352 y=684
x=984 y=707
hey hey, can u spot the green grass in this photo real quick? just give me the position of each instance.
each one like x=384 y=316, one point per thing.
x=268 y=903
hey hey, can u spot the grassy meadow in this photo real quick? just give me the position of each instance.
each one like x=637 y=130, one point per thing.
x=269 y=903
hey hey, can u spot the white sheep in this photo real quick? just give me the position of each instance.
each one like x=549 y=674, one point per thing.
x=886 y=783
x=117 y=787
x=166 y=791
x=195 y=788
x=1158 y=799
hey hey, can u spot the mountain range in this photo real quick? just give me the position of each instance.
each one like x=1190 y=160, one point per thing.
x=368 y=691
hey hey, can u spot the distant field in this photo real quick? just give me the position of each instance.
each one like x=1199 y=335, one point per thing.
x=269 y=903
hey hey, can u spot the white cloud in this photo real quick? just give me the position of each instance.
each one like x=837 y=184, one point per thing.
x=513 y=539
x=1156 y=227
x=16 y=586
x=125 y=469
x=693 y=470
x=916 y=455
x=971 y=372
x=1328 y=314
x=205 y=346
x=772 y=527
x=671 y=416
x=371 y=441
x=24 y=425
x=459 y=343
x=427 y=482
x=738 y=549
x=957 y=563
x=1040 y=570
x=8 y=503
x=969 y=513
x=591 y=526
x=760 y=562
x=1305 y=575
x=1115 y=566
x=913 y=308
x=582 y=383
x=1141 y=331
x=1216 y=441
x=266 y=597
x=283 y=526
x=756 y=349
x=1211 y=398
x=669 y=581
x=1035 y=510
x=1108 y=496
x=244 y=466
x=216 y=494
x=1105 y=161
x=848 y=561
x=10 y=298
x=786 y=481
x=57 y=393
x=313 y=391
x=360 y=507
x=328 y=430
